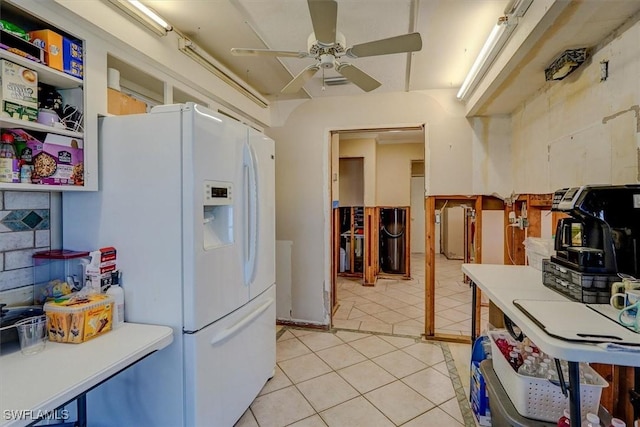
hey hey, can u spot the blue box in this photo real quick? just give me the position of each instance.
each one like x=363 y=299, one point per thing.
x=72 y=50
x=72 y=58
x=479 y=395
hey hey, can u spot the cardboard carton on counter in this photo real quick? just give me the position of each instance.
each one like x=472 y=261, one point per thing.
x=78 y=319
x=58 y=160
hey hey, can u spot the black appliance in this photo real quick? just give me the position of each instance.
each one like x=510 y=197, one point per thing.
x=393 y=237
x=602 y=232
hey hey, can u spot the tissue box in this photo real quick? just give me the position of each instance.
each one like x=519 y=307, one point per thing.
x=78 y=319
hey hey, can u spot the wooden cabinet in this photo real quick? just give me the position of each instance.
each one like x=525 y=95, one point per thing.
x=63 y=84
x=119 y=103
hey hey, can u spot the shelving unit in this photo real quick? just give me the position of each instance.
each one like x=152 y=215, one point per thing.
x=66 y=84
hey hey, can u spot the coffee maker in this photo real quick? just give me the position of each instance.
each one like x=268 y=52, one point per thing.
x=602 y=231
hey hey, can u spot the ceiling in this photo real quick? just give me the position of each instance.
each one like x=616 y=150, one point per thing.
x=452 y=31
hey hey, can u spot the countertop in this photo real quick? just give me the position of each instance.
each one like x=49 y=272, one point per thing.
x=31 y=385
x=503 y=284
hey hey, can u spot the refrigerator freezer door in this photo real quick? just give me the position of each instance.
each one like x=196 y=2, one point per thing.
x=263 y=269
x=233 y=359
x=213 y=276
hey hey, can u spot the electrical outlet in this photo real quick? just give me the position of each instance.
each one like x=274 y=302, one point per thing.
x=512 y=217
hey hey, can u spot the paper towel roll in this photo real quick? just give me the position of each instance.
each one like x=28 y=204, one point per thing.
x=113 y=78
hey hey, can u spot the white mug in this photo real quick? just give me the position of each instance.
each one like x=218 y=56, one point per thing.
x=629 y=298
x=624 y=285
x=635 y=320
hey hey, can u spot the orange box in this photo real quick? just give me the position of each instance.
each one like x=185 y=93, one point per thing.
x=51 y=43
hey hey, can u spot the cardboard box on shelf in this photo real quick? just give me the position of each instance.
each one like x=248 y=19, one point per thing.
x=58 y=160
x=18 y=91
x=51 y=43
x=61 y=53
x=119 y=103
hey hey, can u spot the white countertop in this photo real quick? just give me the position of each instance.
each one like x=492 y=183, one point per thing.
x=504 y=283
x=44 y=381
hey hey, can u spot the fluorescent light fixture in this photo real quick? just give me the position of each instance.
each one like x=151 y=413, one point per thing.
x=517 y=8
x=492 y=47
x=143 y=15
x=196 y=53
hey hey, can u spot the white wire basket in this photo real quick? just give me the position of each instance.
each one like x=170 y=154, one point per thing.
x=538 y=398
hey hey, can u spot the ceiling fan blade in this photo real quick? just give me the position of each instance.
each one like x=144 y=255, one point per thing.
x=324 y=15
x=399 y=44
x=358 y=77
x=267 y=52
x=298 y=81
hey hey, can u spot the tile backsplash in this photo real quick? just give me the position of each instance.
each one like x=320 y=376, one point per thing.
x=25 y=228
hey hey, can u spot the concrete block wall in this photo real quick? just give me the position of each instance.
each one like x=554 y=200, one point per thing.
x=584 y=129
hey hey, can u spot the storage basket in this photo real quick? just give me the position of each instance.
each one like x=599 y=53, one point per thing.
x=536 y=249
x=538 y=398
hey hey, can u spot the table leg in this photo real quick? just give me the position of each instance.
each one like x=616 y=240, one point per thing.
x=81 y=404
x=474 y=297
x=574 y=391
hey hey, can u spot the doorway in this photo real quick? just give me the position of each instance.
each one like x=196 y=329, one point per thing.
x=393 y=302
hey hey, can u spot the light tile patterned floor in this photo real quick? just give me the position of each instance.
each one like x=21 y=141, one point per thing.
x=357 y=379
x=397 y=306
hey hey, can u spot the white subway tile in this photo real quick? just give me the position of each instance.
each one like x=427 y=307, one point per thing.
x=18 y=259
x=25 y=200
x=43 y=238
x=16 y=278
x=17 y=240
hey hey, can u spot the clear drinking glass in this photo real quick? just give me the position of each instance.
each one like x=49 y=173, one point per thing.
x=32 y=333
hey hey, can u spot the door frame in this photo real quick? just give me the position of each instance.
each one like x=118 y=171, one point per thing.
x=333 y=183
x=430 y=268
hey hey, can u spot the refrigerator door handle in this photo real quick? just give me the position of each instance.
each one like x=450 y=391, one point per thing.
x=251 y=214
x=242 y=323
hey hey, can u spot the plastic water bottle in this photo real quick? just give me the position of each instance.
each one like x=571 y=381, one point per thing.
x=565 y=419
x=118 y=310
x=617 y=422
x=592 y=420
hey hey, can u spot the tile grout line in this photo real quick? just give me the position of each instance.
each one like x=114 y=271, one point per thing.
x=463 y=402
x=448 y=358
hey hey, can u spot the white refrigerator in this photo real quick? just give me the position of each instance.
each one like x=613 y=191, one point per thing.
x=187 y=199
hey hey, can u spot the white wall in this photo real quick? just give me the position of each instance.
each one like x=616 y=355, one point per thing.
x=365 y=149
x=582 y=130
x=302 y=177
x=393 y=173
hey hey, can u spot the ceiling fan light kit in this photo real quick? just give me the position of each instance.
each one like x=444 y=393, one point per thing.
x=327 y=46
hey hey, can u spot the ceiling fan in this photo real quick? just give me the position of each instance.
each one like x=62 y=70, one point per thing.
x=327 y=46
